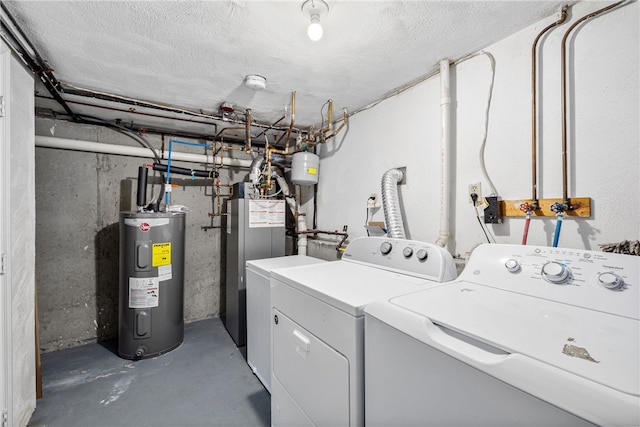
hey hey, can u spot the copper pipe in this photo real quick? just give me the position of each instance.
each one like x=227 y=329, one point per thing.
x=293 y=119
x=269 y=183
x=269 y=152
x=218 y=198
x=247 y=147
x=345 y=121
x=330 y=117
x=534 y=113
x=268 y=157
x=565 y=192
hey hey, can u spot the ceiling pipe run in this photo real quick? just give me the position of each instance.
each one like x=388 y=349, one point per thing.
x=123 y=150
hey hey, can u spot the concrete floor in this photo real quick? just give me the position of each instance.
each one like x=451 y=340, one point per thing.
x=204 y=382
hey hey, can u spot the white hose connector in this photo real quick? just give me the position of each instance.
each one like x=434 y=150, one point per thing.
x=391 y=204
x=445 y=153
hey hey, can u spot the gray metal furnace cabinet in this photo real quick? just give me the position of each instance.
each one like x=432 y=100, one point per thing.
x=252 y=233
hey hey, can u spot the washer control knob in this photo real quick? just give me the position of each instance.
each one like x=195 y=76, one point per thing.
x=422 y=254
x=555 y=272
x=512 y=265
x=610 y=280
x=385 y=248
x=407 y=252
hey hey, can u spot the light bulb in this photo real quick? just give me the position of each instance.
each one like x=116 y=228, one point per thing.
x=315 y=29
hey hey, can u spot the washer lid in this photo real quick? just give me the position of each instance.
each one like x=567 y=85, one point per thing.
x=266 y=265
x=348 y=286
x=593 y=345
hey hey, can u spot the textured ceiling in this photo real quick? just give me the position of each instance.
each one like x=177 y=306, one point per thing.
x=196 y=54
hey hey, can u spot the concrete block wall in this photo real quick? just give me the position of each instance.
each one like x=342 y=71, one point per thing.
x=78 y=199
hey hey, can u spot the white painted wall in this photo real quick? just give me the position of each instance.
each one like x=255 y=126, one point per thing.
x=18 y=139
x=603 y=139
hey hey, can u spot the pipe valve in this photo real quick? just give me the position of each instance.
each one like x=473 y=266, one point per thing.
x=559 y=208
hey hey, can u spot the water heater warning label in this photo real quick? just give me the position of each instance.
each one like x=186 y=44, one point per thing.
x=266 y=213
x=161 y=254
x=164 y=273
x=144 y=292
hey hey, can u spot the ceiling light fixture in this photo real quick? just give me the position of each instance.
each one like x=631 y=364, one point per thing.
x=314 y=9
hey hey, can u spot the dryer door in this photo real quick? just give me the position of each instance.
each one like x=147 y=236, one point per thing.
x=313 y=374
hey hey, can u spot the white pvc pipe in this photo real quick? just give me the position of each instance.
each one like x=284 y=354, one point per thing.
x=124 y=150
x=302 y=223
x=445 y=153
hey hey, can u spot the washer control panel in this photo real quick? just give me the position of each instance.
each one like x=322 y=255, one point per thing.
x=600 y=281
x=410 y=257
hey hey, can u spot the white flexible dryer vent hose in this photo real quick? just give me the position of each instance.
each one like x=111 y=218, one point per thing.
x=391 y=204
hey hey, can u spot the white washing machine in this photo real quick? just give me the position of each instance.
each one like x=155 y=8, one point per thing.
x=259 y=310
x=526 y=336
x=318 y=325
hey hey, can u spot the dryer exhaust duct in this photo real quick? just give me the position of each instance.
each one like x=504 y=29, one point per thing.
x=391 y=204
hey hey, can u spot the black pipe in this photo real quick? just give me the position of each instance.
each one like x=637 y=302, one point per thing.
x=184 y=171
x=37 y=65
x=142 y=186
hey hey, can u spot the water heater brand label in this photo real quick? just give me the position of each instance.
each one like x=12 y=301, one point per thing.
x=161 y=254
x=145 y=227
x=152 y=222
x=144 y=292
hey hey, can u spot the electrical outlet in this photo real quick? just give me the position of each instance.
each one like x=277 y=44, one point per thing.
x=371 y=201
x=475 y=188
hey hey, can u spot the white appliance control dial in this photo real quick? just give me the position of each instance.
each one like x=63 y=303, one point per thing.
x=385 y=248
x=422 y=254
x=555 y=272
x=407 y=252
x=610 y=280
x=512 y=265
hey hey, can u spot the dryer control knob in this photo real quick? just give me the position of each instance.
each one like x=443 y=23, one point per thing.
x=385 y=248
x=555 y=272
x=422 y=254
x=611 y=280
x=512 y=265
x=407 y=252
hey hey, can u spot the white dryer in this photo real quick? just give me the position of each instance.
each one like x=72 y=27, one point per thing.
x=526 y=336
x=259 y=310
x=318 y=325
